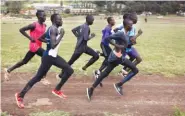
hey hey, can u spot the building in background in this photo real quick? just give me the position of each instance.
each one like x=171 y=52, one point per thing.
x=49 y=8
x=74 y=9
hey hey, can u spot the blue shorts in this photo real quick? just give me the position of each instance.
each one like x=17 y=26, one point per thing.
x=132 y=52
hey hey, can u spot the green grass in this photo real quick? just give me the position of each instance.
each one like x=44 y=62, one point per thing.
x=54 y=113
x=113 y=114
x=179 y=112
x=161 y=46
x=5 y=114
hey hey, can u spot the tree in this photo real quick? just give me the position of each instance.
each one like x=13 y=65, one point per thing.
x=14 y=6
x=100 y=3
x=61 y=3
x=67 y=11
x=161 y=7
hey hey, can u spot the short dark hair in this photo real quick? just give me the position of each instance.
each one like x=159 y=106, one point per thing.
x=126 y=15
x=53 y=16
x=109 y=19
x=38 y=12
x=88 y=17
x=126 y=22
x=132 y=15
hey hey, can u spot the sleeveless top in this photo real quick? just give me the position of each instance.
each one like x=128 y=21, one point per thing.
x=36 y=34
x=49 y=51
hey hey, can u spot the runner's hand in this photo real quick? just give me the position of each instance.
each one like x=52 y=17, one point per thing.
x=133 y=40
x=62 y=32
x=92 y=35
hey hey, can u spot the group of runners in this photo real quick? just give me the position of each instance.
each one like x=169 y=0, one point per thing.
x=122 y=38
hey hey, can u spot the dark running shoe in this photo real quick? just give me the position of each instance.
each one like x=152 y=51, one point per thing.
x=118 y=89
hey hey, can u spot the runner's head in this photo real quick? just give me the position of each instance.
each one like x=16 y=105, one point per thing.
x=133 y=17
x=126 y=15
x=89 y=19
x=111 y=21
x=127 y=23
x=41 y=15
x=56 y=19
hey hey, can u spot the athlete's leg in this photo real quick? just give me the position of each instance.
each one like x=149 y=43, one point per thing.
x=68 y=71
x=26 y=59
x=133 y=72
x=131 y=59
x=43 y=69
x=106 y=51
x=133 y=54
x=74 y=57
x=94 y=58
x=77 y=53
x=104 y=74
x=40 y=52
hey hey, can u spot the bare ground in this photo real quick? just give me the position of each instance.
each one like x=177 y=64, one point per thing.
x=144 y=95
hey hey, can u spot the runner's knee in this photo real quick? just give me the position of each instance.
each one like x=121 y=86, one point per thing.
x=105 y=73
x=34 y=80
x=96 y=57
x=69 y=71
x=135 y=70
x=139 y=59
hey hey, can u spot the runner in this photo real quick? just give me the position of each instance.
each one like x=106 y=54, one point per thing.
x=50 y=57
x=131 y=51
x=82 y=33
x=37 y=29
x=116 y=57
x=106 y=49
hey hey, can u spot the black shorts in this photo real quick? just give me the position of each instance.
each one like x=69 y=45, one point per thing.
x=30 y=55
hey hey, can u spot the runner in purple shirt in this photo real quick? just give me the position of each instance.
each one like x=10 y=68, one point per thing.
x=106 y=49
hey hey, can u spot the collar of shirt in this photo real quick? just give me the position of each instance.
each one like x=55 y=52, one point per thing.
x=126 y=33
x=86 y=24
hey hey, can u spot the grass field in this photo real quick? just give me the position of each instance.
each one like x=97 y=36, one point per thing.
x=177 y=112
x=161 y=45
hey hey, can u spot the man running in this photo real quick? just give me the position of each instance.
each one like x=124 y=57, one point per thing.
x=49 y=58
x=130 y=50
x=116 y=57
x=106 y=49
x=37 y=29
x=82 y=33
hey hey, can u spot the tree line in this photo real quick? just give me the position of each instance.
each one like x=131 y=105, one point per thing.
x=159 y=7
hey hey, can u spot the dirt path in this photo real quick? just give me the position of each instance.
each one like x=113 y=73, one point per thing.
x=143 y=96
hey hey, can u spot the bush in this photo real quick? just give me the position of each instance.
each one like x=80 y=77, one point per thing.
x=178 y=112
x=67 y=11
x=5 y=114
x=14 y=6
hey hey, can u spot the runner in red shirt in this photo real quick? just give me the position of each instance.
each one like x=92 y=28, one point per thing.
x=37 y=29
